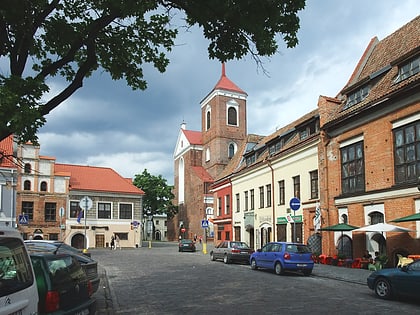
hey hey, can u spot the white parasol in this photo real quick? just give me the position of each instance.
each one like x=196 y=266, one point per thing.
x=382 y=227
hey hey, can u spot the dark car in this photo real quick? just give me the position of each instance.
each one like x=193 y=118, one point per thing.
x=186 y=245
x=89 y=265
x=231 y=251
x=390 y=282
x=63 y=286
x=283 y=256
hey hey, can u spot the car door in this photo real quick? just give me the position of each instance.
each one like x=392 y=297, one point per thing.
x=407 y=282
x=273 y=255
x=265 y=256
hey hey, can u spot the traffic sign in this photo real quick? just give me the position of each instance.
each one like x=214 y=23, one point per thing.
x=61 y=212
x=135 y=223
x=294 y=203
x=23 y=219
x=204 y=224
x=86 y=203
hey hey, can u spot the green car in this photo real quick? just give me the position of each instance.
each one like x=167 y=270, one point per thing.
x=390 y=282
x=63 y=287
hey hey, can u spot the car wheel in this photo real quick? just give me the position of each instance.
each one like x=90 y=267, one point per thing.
x=254 y=264
x=226 y=259
x=278 y=269
x=383 y=288
x=212 y=257
x=307 y=272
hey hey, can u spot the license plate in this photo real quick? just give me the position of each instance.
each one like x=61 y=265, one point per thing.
x=84 y=312
x=301 y=265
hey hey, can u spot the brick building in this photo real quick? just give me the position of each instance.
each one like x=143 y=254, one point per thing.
x=370 y=147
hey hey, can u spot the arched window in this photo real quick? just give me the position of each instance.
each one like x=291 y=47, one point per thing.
x=376 y=217
x=181 y=181
x=232 y=150
x=344 y=218
x=44 y=186
x=232 y=116
x=207 y=154
x=27 y=185
x=208 y=120
x=27 y=168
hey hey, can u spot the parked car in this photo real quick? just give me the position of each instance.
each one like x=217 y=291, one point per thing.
x=88 y=264
x=18 y=289
x=63 y=286
x=391 y=282
x=186 y=245
x=231 y=251
x=283 y=256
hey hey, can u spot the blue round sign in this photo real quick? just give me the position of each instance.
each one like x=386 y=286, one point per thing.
x=294 y=203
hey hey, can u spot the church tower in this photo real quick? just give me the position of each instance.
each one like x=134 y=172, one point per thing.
x=223 y=124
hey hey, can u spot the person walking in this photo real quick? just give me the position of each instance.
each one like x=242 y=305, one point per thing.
x=117 y=242
x=112 y=242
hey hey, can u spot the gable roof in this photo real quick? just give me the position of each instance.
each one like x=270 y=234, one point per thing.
x=100 y=179
x=6 y=153
x=193 y=137
x=378 y=67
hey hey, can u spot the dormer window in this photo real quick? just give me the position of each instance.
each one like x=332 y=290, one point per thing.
x=409 y=69
x=357 y=96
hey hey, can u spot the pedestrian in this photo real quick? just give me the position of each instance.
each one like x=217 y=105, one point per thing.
x=201 y=239
x=112 y=241
x=117 y=242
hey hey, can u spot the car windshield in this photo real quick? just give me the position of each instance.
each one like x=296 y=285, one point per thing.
x=15 y=271
x=239 y=245
x=294 y=248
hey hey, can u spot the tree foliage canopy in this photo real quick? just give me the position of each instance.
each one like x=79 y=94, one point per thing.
x=41 y=39
x=158 y=194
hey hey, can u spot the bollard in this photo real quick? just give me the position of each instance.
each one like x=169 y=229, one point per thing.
x=204 y=248
x=150 y=244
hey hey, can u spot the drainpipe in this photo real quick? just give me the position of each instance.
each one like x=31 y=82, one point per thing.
x=325 y=140
x=272 y=199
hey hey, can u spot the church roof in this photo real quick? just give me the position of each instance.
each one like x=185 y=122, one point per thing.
x=193 y=137
x=225 y=83
x=93 y=178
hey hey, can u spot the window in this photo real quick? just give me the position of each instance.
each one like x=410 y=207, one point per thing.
x=219 y=206
x=296 y=186
x=104 y=210
x=409 y=69
x=232 y=116
x=268 y=189
x=314 y=184
x=246 y=200
x=50 y=211
x=44 y=186
x=376 y=217
x=282 y=196
x=27 y=168
x=261 y=197
x=74 y=209
x=28 y=208
x=208 y=120
x=126 y=211
x=357 y=96
x=232 y=150
x=27 y=185
x=207 y=154
x=238 y=208
x=227 y=204
x=252 y=199
x=407 y=153
x=352 y=168
x=53 y=236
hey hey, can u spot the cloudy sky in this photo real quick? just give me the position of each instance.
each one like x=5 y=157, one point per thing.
x=107 y=124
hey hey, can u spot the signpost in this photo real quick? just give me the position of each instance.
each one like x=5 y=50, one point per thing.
x=86 y=204
x=205 y=225
x=294 y=205
x=61 y=213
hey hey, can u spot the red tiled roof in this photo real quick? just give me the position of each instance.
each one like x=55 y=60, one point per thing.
x=225 y=84
x=202 y=173
x=6 y=152
x=96 y=179
x=194 y=137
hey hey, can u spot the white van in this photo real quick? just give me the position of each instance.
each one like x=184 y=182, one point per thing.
x=18 y=290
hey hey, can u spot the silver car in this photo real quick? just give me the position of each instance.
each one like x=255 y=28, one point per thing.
x=231 y=251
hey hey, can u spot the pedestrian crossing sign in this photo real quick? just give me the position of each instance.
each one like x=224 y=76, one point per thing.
x=23 y=219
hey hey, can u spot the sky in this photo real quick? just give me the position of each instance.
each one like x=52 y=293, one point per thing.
x=107 y=124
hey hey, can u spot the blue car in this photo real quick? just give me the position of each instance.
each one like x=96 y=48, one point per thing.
x=390 y=282
x=283 y=256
